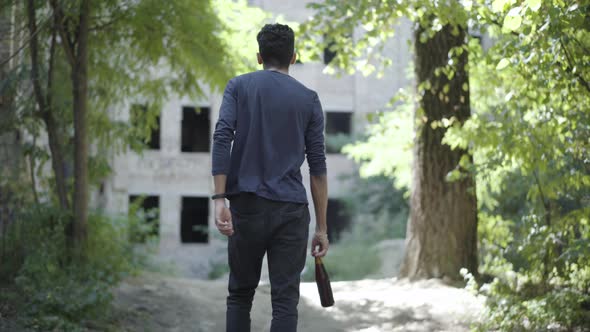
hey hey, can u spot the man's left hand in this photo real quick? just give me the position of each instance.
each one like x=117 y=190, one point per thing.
x=223 y=219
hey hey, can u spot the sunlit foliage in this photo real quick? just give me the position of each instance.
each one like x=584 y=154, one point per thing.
x=529 y=135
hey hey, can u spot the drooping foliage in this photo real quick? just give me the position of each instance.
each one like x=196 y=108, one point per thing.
x=143 y=52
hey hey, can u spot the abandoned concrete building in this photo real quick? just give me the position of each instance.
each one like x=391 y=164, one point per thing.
x=173 y=174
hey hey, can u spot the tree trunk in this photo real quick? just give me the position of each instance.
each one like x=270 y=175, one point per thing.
x=11 y=154
x=442 y=232
x=57 y=158
x=80 y=108
x=45 y=108
x=11 y=160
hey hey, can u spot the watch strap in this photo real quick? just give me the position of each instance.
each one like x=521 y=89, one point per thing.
x=217 y=196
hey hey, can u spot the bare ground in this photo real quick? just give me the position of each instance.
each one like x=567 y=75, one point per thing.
x=155 y=303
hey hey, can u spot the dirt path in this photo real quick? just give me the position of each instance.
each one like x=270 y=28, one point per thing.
x=155 y=303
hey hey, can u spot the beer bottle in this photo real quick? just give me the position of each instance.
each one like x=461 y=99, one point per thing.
x=323 y=282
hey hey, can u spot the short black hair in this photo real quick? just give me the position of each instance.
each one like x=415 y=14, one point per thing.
x=276 y=44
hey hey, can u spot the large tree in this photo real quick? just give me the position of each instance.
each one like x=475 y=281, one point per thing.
x=442 y=230
x=74 y=40
x=43 y=98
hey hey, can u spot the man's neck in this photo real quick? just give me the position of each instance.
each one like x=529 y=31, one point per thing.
x=280 y=70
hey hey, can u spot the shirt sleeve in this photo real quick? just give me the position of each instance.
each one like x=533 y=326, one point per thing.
x=314 y=139
x=224 y=131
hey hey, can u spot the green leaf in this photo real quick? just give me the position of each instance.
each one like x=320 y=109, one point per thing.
x=498 y=5
x=502 y=64
x=534 y=5
x=513 y=20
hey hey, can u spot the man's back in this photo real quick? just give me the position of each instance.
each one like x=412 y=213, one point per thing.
x=276 y=120
x=273 y=122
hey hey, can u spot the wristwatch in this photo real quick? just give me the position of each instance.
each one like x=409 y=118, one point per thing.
x=216 y=196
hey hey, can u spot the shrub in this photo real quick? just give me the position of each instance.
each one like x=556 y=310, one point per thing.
x=535 y=260
x=217 y=269
x=347 y=260
x=61 y=293
x=335 y=142
x=380 y=210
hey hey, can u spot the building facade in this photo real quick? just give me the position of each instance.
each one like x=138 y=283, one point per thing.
x=174 y=174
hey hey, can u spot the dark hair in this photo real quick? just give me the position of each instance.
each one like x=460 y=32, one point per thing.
x=276 y=44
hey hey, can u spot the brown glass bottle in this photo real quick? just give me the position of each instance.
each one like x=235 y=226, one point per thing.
x=323 y=282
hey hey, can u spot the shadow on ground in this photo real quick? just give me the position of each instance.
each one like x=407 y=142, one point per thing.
x=155 y=303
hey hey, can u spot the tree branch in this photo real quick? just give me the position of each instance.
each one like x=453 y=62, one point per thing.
x=105 y=25
x=582 y=46
x=44 y=101
x=120 y=12
x=25 y=43
x=543 y=200
x=33 y=42
x=65 y=40
x=51 y=63
x=32 y=170
x=570 y=66
x=514 y=33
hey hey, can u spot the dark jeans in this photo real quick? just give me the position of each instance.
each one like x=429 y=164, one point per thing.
x=280 y=230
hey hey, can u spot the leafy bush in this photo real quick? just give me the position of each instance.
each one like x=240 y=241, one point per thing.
x=143 y=223
x=60 y=292
x=542 y=279
x=380 y=210
x=218 y=270
x=535 y=263
x=335 y=142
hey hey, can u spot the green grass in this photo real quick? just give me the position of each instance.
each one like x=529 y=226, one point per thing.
x=218 y=270
x=346 y=261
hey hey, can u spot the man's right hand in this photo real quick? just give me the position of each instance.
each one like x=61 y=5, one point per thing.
x=319 y=244
x=319 y=193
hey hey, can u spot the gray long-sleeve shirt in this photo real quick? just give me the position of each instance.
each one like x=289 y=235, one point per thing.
x=274 y=121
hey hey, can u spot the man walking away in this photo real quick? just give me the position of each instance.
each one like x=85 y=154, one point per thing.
x=274 y=122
